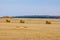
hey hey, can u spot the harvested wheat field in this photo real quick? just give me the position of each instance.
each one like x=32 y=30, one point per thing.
x=29 y=29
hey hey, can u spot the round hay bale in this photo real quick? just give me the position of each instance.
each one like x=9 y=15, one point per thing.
x=48 y=22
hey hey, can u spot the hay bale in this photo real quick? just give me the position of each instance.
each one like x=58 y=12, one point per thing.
x=7 y=20
x=48 y=22
x=22 y=21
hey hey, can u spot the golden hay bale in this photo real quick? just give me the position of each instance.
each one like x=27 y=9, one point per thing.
x=7 y=20
x=48 y=22
x=22 y=21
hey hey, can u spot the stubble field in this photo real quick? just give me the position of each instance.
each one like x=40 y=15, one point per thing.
x=31 y=29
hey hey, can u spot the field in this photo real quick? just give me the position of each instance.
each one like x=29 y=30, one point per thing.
x=31 y=29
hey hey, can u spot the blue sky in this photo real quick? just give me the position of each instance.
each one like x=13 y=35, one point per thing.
x=29 y=7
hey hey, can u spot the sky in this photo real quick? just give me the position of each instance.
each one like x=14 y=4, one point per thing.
x=29 y=7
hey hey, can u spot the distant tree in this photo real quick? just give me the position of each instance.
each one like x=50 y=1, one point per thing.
x=7 y=17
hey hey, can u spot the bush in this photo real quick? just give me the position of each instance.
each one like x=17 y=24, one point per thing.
x=21 y=21
x=48 y=22
x=7 y=20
